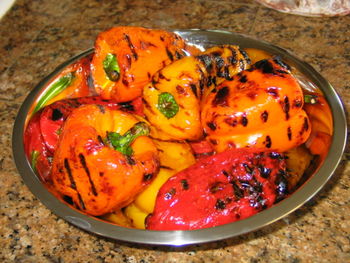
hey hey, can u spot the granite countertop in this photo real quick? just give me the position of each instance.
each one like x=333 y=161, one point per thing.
x=36 y=36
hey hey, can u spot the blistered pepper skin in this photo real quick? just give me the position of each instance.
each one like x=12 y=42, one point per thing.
x=139 y=52
x=220 y=189
x=260 y=107
x=188 y=80
x=96 y=177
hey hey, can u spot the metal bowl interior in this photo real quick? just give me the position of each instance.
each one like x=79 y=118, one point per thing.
x=178 y=238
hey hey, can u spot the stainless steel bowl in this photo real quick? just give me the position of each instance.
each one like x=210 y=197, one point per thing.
x=306 y=74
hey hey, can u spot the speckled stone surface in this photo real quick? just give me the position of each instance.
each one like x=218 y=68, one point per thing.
x=36 y=36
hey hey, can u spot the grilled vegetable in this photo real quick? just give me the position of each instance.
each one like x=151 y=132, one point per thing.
x=220 y=189
x=172 y=98
x=261 y=108
x=72 y=82
x=98 y=178
x=126 y=58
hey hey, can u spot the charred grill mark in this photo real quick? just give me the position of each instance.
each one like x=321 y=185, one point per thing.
x=101 y=174
x=206 y=61
x=219 y=61
x=181 y=90
x=169 y=54
x=305 y=126
x=247 y=168
x=211 y=125
x=100 y=140
x=224 y=172
x=282 y=185
x=221 y=97
x=245 y=55
x=149 y=76
x=125 y=82
x=185 y=184
x=244 y=120
x=194 y=89
x=289 y=133
x=237 y=190
x=268 y=141
x=286 y=107
x=161 y=76
x=128 y=60
x=87 y=171
x=279 y=62
x=264 y=116
x=243 y=79
x=232 y=121
x=56 y=115
x=82 y=204
x=273 y=91
x=264 y=171
x=147 y=177
x=220 y=204
x=265 y=66
x=70 y=175
x=131 y=46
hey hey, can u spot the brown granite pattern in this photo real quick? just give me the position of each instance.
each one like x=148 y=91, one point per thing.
x=36 y=36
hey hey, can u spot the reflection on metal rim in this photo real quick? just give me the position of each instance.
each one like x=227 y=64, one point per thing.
x=178 y=238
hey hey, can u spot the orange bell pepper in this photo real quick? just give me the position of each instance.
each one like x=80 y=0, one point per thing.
x=261 y=107
x=103 y=173
x=126 y=58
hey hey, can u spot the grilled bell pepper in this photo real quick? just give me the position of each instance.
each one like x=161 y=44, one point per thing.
x=126 y=58
x=89 y=168
x=220 y=189
x=172 y=98
x=260 y=107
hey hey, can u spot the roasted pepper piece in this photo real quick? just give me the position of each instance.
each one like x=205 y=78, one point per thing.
x=183 y=83
x=260 y=107
x=220 y=189
x=98 y=178
x=126 y=58
x=72 y=82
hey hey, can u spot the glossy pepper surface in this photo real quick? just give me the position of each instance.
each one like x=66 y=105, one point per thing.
x=86 y=168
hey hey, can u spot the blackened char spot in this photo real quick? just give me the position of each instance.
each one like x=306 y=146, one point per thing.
x=244 y=120
x=194 y=89
x=286 y=107
x=207 y=62
x=211 y=125
x=87 y=171
x=56 y=115
x=170 y=55
x=243 y=79
x=236 y=190
x=220 y=204
x=70 y=175
x=131 y=46
x=279 y=61
x=264 y=116
x=264 y=171
x=272 y=91
x=268 y=141
x=265 y=66
x=289 y=133
x=221 y=97
x=185 y=184
x=147 y=177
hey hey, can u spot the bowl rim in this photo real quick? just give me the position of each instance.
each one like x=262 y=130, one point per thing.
x=179 y=238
